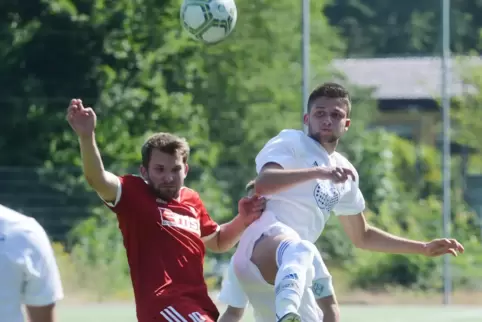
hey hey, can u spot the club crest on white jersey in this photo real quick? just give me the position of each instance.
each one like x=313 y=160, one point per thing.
x=326 y=195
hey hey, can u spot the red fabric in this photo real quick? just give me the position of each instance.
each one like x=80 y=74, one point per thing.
x=164 y=249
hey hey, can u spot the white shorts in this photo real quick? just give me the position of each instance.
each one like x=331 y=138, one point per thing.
x=261 y=294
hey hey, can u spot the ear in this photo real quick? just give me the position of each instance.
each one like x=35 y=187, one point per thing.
x=306 y=119
x=347 y=123
x=186 y=170
x=143 y=172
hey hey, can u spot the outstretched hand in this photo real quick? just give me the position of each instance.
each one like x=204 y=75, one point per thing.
x=442 y=246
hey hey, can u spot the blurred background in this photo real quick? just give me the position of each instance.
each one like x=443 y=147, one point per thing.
x=131 y=62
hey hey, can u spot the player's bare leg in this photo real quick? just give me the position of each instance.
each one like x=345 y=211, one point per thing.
x=289 y=264
x=322 y=287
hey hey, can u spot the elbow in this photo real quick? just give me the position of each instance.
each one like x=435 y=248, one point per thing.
x=358 y=243
x=261 y=187
x=232 y=314
x=361 y=241
x=96 y=182
x=91 y=181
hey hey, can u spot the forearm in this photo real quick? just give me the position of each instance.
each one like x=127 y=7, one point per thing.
x=330 y=309
x=331 y=313
x=275 y=180
x=377 y=240
x=91 y=160
x=229 y=234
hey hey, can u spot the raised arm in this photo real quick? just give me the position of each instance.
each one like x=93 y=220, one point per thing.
x=83 y=121
x=363 y=235
x=278 y=168
x=368 y=237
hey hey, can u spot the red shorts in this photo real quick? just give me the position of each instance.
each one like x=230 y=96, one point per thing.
x=187 y=312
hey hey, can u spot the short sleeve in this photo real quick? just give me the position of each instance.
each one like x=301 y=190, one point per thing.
x=280 y=150
x=352 y=202
x=42 y=284
x=209 y=227
x=231 y=292
x=129 y=188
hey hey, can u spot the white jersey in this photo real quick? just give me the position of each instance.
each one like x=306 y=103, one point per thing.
x=306 y=207
x=29 y=274
x=302 y=210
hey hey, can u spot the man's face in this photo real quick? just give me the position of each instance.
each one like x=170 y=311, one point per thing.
x=165 y=174
x=328 y=119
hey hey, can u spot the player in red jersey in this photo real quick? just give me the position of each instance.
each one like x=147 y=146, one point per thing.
x=165 y=225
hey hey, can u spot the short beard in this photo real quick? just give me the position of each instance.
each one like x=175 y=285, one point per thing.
x=160 y=194
x=323 y=139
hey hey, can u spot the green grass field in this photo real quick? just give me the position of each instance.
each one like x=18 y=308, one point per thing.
x=125 y=313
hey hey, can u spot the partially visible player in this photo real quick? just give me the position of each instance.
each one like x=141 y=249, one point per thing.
x=233 y=295
x=28 y=271
x=304 y=180
x=165 y=225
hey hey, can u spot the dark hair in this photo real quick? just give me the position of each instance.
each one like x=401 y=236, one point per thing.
x=330 y=90
x=250 y=186
x=167 y=143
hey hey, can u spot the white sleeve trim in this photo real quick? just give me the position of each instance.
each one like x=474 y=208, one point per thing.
x=209 y=237
x=45 y=300
x=118 y=196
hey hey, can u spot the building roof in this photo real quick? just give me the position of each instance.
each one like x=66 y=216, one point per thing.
x=405 y=78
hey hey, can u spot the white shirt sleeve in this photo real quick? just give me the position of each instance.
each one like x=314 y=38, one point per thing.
x=352 y=202
x=42 y=285
x=280 y=150
x=231 y=292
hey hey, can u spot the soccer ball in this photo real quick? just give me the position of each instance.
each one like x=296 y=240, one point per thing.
x=209 y=21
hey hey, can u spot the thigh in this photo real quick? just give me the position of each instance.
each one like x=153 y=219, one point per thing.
x=185 y=312
x=264 y=255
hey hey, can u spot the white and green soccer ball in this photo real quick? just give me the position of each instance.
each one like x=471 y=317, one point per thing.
x=209 y=21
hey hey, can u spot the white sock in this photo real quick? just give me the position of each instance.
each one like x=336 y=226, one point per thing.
x=294 y=258
x=322 y=285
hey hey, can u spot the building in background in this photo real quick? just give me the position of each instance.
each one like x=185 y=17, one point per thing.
x=407 y=91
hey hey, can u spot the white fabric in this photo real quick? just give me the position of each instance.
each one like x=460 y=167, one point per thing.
x=231 y=292
x=301 y=212
x=29 y=273
x=306 y=207
x=251 y=284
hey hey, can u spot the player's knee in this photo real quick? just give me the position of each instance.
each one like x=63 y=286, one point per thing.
x=295 y=252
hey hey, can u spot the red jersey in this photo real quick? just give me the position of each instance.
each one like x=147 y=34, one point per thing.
x=164 y=246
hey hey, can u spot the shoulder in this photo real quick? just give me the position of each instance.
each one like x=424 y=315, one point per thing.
x=287 y=138
x=132 y=179
x=188 y=195
x=24 y=235
x=133 y=183
x=290 y=135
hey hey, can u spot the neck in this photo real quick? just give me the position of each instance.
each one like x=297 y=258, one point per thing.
x=330 y=147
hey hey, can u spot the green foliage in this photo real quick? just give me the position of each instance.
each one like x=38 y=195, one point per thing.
x=467 y=111
x=401 y=184
x=132 y=63
x=381 y=28
x=99 y=256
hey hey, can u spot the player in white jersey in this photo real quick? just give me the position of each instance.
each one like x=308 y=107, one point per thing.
x=305 y=180
x=29 y=274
